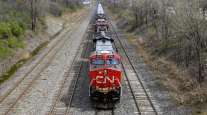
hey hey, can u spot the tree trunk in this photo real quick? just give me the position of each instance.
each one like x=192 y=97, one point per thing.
x=200 y=78
x=34 y=14
x=136 y=20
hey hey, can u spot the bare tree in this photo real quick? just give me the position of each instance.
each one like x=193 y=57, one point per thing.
x=190 y=26
x=33 y=14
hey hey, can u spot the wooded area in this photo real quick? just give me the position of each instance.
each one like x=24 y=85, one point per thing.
x=180 y=29
x=34 y=9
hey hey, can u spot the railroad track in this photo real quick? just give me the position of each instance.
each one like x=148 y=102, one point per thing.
x=74 y=73
x=104 y=112
x=71 y=78
x=15 y=94
x=144 y=102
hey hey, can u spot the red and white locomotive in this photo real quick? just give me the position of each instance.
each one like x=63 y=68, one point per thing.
x=105 y=71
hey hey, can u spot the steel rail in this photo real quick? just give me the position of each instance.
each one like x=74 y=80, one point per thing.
x=76 y=82
x=66 y=74
x=125 y=52
x=129 y=84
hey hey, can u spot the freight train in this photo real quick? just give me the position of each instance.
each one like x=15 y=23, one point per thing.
x=105 y=72
x=101 y=23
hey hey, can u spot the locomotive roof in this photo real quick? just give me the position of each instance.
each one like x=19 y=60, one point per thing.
x=104 y=54
x=104 y=46
x=102 y=36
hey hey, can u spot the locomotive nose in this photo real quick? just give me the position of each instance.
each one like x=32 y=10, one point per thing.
x=105 y=72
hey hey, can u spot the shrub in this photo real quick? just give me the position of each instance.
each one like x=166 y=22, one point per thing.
x=55 y=9
x=4 y=50
x=16 y=29
x=15 y=43
x=5 y=31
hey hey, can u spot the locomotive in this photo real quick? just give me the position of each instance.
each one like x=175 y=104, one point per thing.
x=100 y=12
x=105 y=71
x=101 y=23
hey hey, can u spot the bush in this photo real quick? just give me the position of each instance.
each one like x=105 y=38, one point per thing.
x=9 y=29
x=16 y=29
x=4 y=50
x=10 y=33
x=55 y=9
x=15 y=43
x=5 y=31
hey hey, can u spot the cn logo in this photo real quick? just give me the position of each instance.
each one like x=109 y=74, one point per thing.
x=102 y=79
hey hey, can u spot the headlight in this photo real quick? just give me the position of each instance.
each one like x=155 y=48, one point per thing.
x=105 y=72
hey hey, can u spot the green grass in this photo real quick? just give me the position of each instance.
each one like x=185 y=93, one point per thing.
x=12 y=70
x=4 y=52
x=72 y=8
x=15 y=43
x=16 y=66
x=8 y=46
x=4 y=49
x=40 y=47
x=10 y=38
x=14 y=21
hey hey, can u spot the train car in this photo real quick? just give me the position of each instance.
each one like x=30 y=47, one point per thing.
x=101 y=37
x=100 y=14
x=100 y=10
x=101 y=25
x=105 y=72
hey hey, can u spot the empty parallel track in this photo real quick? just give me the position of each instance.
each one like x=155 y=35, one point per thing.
x=143 y=101
x=74 y=72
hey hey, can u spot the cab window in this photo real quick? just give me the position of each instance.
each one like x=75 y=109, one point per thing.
x=112 y=62
x=97 y=62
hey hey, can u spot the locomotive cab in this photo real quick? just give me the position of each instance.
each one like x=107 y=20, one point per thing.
x=105 y=76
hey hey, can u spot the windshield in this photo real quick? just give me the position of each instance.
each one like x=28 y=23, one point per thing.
x=97 y=62
x=112 y=62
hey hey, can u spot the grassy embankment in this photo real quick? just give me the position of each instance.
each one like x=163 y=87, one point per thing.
x=12 y=29
x=177 y=80
x=13 y=24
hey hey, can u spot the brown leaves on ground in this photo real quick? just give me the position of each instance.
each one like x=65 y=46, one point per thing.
x=182 y=87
